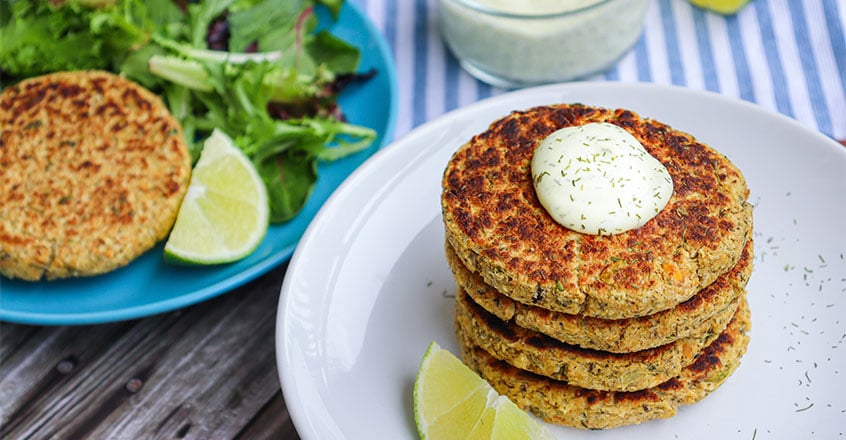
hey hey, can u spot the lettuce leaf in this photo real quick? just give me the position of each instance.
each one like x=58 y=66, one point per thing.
x=41 y=36
x=235 y=96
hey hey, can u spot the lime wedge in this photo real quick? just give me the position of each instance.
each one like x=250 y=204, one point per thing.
x=453 y=402
x=224 y=215
x=726 y=7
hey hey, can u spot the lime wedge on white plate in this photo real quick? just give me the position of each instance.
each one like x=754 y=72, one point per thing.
x=224 y=215
x=453 y=402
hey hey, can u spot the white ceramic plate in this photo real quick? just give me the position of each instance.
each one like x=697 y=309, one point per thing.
x=368 y=287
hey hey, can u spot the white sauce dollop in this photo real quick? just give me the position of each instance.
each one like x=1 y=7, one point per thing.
x=598 y=179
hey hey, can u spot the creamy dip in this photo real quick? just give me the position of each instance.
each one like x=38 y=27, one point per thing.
x=526 y=42
x=598 y=179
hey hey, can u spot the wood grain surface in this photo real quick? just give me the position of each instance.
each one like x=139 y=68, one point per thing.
x=204 y=372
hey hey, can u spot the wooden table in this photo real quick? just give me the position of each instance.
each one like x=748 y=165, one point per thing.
x=204 y=372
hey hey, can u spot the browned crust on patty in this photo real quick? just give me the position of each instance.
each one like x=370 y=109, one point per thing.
x=592 y=369
x=94 y=168
x=499 y=229
x=620 y=335
x=561 y=403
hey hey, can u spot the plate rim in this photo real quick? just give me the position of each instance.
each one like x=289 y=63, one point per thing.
x=303 y=417
x=246 y=275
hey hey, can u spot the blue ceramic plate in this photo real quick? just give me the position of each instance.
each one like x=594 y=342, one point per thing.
x=149 y=286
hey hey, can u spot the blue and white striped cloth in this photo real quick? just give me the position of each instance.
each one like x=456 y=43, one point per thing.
x=785 y=55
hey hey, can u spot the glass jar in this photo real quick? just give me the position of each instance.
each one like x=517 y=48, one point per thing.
x=521 y=43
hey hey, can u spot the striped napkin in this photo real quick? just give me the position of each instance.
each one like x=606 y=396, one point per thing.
x=788 y=56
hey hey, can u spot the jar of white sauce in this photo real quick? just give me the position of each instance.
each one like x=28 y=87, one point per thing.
x=518 y=43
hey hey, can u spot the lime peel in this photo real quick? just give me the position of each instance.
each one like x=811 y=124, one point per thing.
x=224 y=215
x=725 y=7
x=451 y=401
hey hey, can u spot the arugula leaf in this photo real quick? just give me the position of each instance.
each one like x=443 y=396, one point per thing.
x=200 y=17
x=336 y=54
x=289 y=178
x=271 y=24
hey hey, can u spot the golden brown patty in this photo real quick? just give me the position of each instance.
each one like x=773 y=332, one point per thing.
x=94 y=168
x=592 y=369
x=498 y=228
x=620 y=335
x=561 y=403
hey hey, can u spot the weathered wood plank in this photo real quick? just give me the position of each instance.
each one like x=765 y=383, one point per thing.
x=271 y=423
x=12 y=337
x=46 y=362
x=207 y=371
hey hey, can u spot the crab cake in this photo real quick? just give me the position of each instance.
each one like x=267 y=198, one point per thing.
x=593 y=369
x=94 y=168
x=499 y=229
x=621 y=335
x=565 y=404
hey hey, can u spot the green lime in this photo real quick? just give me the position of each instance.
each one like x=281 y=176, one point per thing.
x=453 y=402
x=224 y=215
x=726 y=7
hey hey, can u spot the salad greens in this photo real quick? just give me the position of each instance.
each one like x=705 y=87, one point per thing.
x=256 y=69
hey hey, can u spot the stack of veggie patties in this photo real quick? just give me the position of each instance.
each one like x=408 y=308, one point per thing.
x=597 y=331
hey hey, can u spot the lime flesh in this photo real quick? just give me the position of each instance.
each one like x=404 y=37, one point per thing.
x=224 y=215
x=453 y=402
